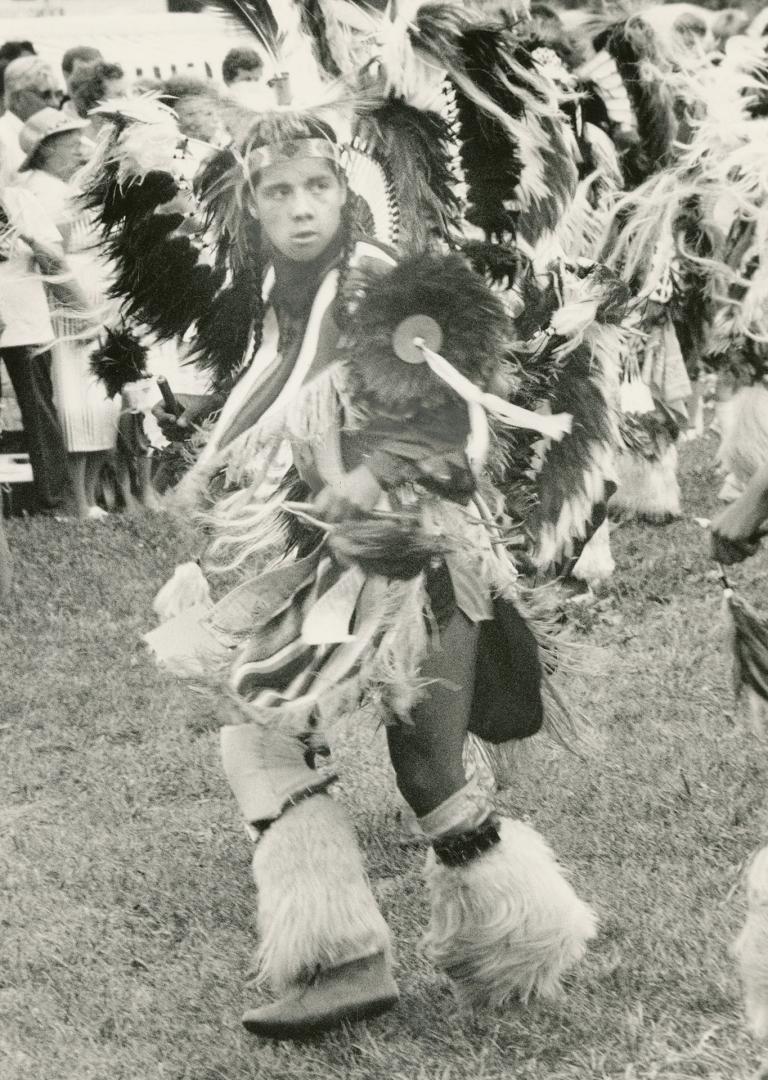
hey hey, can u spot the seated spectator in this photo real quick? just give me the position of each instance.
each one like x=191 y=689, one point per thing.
x=242 y=65
x=30 y=85
x=72 y=60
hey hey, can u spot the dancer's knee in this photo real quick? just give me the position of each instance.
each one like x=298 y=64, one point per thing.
x=425 y=780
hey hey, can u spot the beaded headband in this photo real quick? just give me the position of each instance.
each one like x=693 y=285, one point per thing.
x=278 y=153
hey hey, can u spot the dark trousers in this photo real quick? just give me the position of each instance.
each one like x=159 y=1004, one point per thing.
x=30 y=373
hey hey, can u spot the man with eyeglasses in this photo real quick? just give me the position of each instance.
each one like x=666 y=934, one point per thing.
x=30 y=85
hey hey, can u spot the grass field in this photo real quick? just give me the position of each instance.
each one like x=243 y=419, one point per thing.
x=126 y=909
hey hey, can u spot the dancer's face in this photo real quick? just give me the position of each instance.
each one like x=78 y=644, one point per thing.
x=299 y=205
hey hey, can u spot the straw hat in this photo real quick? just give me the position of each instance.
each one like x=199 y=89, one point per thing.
x=43 y=125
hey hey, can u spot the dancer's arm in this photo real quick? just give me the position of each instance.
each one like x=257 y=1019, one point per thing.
x=429 y=449
x=197 y=408
x=736 y=530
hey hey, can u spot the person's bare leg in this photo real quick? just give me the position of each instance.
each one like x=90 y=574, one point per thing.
x=147 y=495
x=122 y=469
x=93 y=466
x=76 y=464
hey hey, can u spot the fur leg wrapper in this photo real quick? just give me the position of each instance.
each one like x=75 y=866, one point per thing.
x=595 y=564
x=648 y=490
x=187 y=589
x=506 y=924
x=751 y=948
x=316 y=909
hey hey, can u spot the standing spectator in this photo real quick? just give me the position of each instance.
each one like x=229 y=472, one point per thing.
x=242 y=65
x=25 y=344
x=10 y=51
x=30 y=85
x=93 y=83
x=55 y=151
x=73 y=59
x=198 y=106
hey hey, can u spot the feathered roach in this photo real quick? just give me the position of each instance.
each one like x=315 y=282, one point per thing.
x=119 y=359
x=475 y=332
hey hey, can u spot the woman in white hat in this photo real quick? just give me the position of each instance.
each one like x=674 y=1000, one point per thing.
x=55 y=150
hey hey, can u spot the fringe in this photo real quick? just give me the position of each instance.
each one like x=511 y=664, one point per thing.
x=391 y=678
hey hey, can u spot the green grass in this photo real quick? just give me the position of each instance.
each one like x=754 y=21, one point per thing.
x=126 y=908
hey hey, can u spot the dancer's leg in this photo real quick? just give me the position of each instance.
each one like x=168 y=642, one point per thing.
x=324 y=946
x=504 y=921
x=427 y=754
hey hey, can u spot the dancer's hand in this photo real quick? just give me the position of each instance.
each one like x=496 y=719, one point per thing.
x=355 y=494
x=196 y=408
x=737 y=530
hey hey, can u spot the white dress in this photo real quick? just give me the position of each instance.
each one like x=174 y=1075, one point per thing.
x=88 y=417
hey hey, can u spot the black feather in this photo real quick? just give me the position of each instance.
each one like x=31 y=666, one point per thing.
x=415 y=149
x=301 y=538
x=255 y=16
x=119 y=359
x=629 y=43
x=437 y=29
x=223 y=331
x=313 y=23
x=577 y=391
x=159 y=275
x=497 y=263
x=492 y=175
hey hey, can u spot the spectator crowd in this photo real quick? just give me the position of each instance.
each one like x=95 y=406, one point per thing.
x=54 y=283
